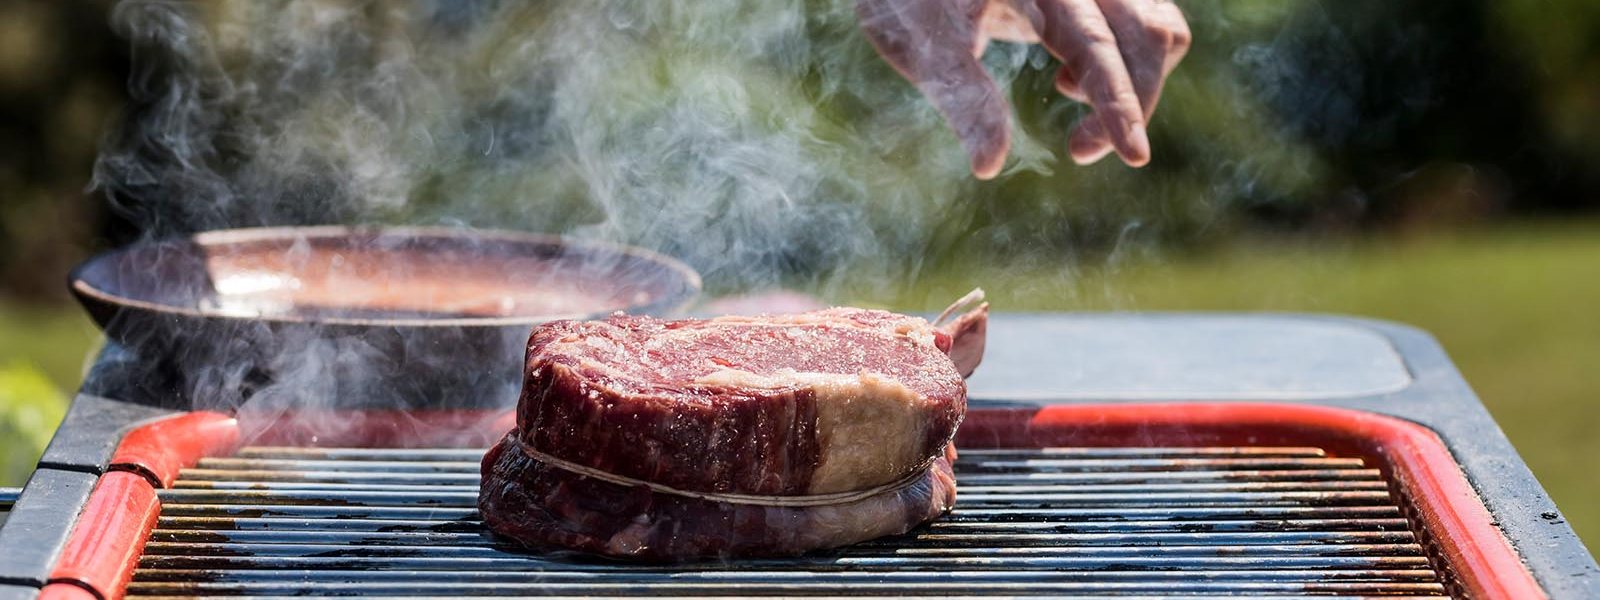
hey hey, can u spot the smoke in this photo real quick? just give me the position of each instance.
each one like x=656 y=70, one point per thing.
x=756 y=140
x=763 y=143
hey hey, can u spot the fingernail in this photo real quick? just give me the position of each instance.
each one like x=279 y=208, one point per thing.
x=1140 y=144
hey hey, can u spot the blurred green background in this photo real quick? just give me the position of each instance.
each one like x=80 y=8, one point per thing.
x=1436 y=164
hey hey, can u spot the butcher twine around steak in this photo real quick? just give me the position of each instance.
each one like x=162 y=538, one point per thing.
x=547 y=507
x=659 y=439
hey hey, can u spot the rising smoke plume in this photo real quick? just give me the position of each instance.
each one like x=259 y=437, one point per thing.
x=752 y=139
x=758 y=141
x=762 y=141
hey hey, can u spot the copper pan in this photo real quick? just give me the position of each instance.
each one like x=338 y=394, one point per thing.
x=395 y=316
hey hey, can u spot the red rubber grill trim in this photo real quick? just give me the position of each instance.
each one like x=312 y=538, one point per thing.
x=379 y=428
x=65 y=591
x=105 y=545
x=160 y=449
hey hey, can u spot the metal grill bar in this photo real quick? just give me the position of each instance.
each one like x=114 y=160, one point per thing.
x=336 y=512
x=1222 y=541
x=761 y=587
x=467 y=520
x=1158 y=538
x=1116 y=568
x=471 y=454
x=437 y=536
x=1091 y=522
x=247 y=576
x=1312 y=486
x=946 y=597
x=203 y=477
x=1163 y=464
x=220 y=475
x=451 y=498
x=276 y=464
x=1029 y=464
x=522 y=561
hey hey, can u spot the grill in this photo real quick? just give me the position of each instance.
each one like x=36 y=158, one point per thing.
x=1052 y=521
x=1150 y=456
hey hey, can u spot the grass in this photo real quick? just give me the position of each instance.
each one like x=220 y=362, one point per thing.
x=55 y=340
x=1517 y=307
x=42 y=353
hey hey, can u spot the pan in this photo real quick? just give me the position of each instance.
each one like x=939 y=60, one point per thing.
x=357 y=316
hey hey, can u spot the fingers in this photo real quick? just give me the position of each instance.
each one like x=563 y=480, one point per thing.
x=1153 y=37
x=1084 y=145
x=931 y=44
x=972 y=104
x=975 y=108
x=1116 y=55
x=1008 y=21
x=1077 y=32
x=1067 y=85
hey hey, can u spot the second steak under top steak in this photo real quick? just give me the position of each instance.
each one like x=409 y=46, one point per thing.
x=829 y=401
x=549 y=508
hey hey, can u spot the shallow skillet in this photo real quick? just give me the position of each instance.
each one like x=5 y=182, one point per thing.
x=304 y=318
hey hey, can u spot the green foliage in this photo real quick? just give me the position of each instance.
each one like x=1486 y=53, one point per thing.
x=42 y=351
x=56 y=339
x=30 y=409
x=1563 y=39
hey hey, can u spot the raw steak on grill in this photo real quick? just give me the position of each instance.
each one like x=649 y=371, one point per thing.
x=550 y=508
x=836 y=421
x=827 y=401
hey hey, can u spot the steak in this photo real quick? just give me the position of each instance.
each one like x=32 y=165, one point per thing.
x=550 y=508
x=771 y=435
x=827 y=401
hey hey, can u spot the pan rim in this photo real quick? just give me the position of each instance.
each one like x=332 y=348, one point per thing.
x=688 y=288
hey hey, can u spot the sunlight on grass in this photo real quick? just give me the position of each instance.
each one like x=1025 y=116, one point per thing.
x=30 y=409
x=42 y=353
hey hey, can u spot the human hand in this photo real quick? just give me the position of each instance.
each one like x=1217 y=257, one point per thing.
x=1115 y=56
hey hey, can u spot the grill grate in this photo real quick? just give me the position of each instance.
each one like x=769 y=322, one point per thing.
x=1264 y=521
